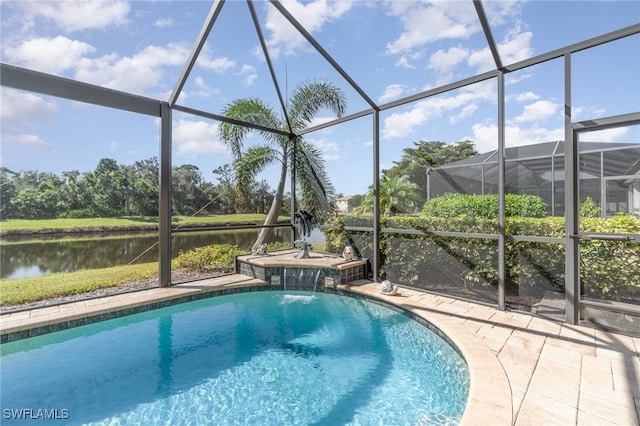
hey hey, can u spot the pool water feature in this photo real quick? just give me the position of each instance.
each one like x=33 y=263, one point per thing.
x=268 y=358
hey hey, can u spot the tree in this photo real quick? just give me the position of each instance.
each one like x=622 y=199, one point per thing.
x=397 y=195
x=108 y=185
x=316 y=190
x=415 y=162
x=146 y=187
x=7 y=192
x=226 y=202
x=186 y=189
x=74 y=194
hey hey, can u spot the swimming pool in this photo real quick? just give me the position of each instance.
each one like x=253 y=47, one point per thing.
x=263 y=358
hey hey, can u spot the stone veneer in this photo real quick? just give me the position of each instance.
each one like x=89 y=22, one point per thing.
x=282 y=270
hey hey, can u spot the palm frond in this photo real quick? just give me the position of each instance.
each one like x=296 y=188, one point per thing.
x=309 y=98
x=249 y=164
x=317 y=194
x=252 y=111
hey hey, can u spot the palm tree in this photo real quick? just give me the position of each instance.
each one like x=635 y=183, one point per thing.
x=315 y=188
x=397 y=194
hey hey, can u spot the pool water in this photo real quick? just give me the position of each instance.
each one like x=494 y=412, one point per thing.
x=261 y=358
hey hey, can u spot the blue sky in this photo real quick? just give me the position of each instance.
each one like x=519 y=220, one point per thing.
x=391 y=49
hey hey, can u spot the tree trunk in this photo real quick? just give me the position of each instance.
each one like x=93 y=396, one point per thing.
x=272 y=217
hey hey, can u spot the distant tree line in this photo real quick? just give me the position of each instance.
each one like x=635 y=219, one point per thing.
x=113 y=190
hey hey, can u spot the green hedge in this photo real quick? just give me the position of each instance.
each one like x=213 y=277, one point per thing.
x=485 y=206
x=219 y=257
x=610 y=269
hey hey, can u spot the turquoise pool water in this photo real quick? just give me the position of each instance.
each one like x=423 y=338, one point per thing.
x=262 y=358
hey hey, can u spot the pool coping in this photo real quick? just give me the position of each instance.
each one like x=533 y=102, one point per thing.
x=489 y=390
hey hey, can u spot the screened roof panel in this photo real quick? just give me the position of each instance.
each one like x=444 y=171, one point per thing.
x=544 y=150
x=137 y=47
x=618 y=160
x=525 y=29
x=225 y=70
x=396 y=49
x=297 y=61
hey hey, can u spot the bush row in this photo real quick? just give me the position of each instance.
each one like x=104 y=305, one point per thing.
x=609 y=269
x=217 y=258
x=485 y=206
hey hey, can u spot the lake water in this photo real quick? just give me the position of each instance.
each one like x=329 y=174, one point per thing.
x=68 y=254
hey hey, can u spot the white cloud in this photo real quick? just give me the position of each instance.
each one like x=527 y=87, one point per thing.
x=384 y=166
x=608 y=135
x=248 y=74
x=31 y=140
x=204 y=90
x=467 y=111
x=79 y=15
x=517 y=77
x=50 y=55
x=515 y=47
x=316 y=121
x=164 y=22
x=442 y=61
x=577 y=113
x=538 y=110
x=19 y=111
x=284 y=38
x=218 y=65
x=524 y=97
x=403 y=62
x=330 y=150
x=499 y=12
x=391 y=92
x=249 y=80
x=198 y=137
x=406 y=59
x=428 y=22
x=137 y=73
x=465 y=101
x=485 y=136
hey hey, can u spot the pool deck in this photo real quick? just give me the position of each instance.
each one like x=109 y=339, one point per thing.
x=525 y=370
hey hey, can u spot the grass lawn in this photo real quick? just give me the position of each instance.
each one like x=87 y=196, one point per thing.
x=13 y=291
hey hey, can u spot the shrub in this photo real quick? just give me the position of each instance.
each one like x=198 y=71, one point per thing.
x=522 y=205
x=278 y=245
x=588 y=208
x=485 y=206
x=609 y=269
x=77 y=214
x=217 y=257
